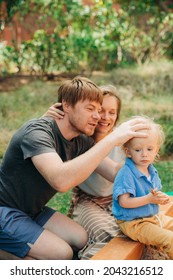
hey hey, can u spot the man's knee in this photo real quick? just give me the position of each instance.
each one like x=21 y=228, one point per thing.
x=80 y=240
x=84 y=239
x=63 y=252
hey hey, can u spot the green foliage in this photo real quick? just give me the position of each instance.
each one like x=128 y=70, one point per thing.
x=41 y=51
x=165 y=170
x=12 y=57
x=11 y=6
x=168 y=145
x=72 y=36
x=61 y=202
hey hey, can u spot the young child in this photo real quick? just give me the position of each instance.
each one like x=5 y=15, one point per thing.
x=137 y=195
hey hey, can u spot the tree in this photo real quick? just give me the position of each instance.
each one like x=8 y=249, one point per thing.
x=71 y=36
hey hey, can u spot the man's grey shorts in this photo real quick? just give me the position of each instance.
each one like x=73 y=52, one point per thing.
x=17 y=229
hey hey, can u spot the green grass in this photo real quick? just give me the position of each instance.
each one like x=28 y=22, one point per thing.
x=61 y=202
x=21 y=104
x=165 y=170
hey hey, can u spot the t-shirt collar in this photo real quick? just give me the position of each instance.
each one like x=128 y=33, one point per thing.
x=137 y=172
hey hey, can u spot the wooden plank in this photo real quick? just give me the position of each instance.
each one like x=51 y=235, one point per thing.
x=120 y=248
x=125 y=248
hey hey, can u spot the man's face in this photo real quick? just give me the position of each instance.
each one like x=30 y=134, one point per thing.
x=84 y=116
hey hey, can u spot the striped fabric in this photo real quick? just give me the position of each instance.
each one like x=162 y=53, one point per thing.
x=95 y=215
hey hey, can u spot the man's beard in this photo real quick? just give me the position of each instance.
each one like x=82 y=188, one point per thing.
x=81 y=130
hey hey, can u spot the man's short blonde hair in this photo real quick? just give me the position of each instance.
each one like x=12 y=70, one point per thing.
x=79 y=89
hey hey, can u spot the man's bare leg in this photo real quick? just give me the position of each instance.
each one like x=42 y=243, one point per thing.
x=61 y=234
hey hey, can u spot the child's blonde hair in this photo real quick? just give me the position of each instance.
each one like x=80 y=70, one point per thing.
x=153 y=126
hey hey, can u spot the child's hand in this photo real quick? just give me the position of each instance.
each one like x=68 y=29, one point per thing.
x=165 y=198
x=153 y=191
x=55 y=111
x=159 y=198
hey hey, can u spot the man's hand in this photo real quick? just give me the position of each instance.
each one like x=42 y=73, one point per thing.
x=130 y=129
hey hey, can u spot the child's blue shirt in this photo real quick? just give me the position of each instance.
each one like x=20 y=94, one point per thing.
x=130 y=180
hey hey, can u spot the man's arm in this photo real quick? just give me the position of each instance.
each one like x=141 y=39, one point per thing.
x=63 y=176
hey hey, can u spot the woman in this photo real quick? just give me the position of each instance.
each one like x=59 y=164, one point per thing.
x=92 y=200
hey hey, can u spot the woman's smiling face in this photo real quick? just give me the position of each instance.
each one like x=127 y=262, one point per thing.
x=108 y=115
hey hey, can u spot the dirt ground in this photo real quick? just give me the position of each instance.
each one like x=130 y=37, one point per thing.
x=12 y=82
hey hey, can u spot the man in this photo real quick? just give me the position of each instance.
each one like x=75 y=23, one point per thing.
x=46 y=156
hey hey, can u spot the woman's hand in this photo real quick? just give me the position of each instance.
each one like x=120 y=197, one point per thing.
x=55 y=111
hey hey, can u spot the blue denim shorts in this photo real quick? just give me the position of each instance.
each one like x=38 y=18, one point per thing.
x=17 y=229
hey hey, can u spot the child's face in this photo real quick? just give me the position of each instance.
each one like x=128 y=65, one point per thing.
x=143 y=150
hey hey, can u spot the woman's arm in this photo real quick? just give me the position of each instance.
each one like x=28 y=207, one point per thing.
x=55 y=111
x=108 y=169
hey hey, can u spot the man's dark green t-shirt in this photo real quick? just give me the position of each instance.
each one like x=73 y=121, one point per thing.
x=21 y=185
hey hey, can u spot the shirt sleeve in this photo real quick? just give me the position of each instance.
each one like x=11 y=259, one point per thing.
x=123 y=183
x=37 y=139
